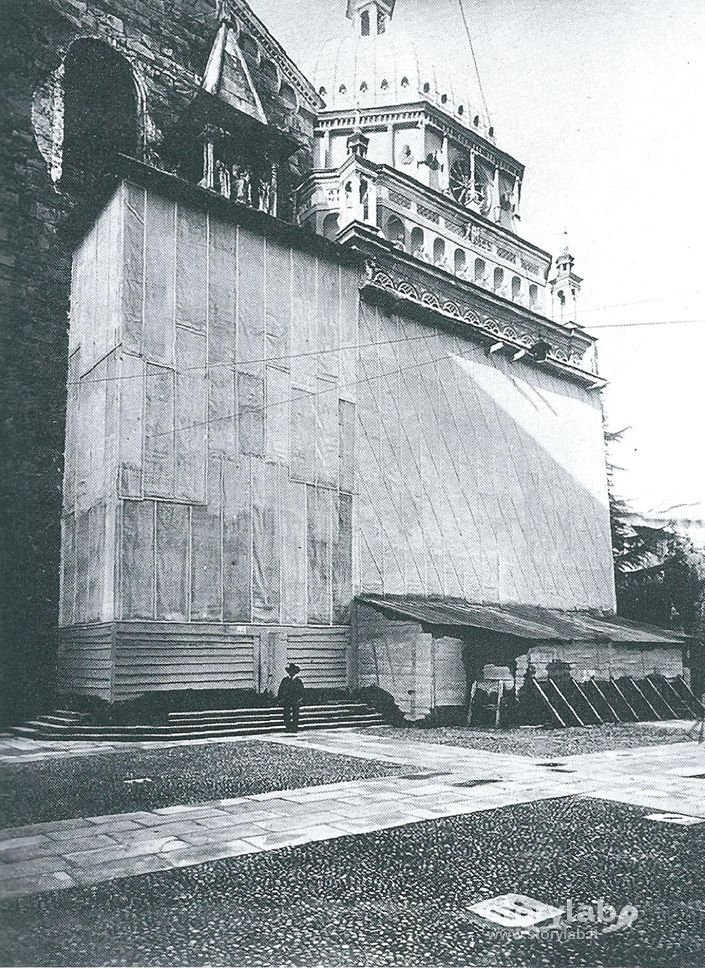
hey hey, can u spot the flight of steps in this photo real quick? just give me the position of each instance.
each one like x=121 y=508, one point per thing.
x=64 y=724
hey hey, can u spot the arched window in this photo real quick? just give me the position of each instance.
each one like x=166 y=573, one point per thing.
x=426 y=88
x=480 y=270
x=363 y=87
x=405 y=82
x=439 y=251
x=384 y=86
x=444 y=98
x=460 y=261
x=342 y=89
x=498 y=279
x=516 y=287
x=461 y=109
x=417 y=240
x=288 y=97
x=330 y=226
x=101 y=111
x=365 y=23
x=395 y=230
x=533 y=294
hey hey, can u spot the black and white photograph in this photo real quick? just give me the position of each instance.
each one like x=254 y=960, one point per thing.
x=352 y=483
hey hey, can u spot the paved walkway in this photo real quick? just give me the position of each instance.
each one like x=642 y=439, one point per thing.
x=442 y=781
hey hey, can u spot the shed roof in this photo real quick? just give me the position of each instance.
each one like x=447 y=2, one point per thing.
x=524 y=621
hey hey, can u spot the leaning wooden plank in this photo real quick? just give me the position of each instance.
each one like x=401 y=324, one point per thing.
x=646 y=701
x=606 y=701
x=582 y=692
x=624 y=699
x=660 y=697
x=690 y=693
x=554 y=712
x=570 y=707
x=690 y=702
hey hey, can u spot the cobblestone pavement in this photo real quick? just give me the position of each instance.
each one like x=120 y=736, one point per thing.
x=441 y=782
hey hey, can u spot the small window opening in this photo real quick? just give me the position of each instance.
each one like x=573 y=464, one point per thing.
x=461 y=109
x=384 y=85
x=381 y=22
x=460 y=260
x=476 y=120
x=342 y=89
x=480 y=270
x=363 y=87
x=365 y=23
x=405 y=82
x=533 y=294
x=426 y=88
x=498 y=279
x=444 y=98
x=516 y=287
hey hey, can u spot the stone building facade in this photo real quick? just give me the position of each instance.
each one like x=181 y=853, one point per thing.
x=310 y=367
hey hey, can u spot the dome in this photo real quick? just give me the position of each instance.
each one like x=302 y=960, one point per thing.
x=383 y=70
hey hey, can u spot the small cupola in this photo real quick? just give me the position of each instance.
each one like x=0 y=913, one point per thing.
x=370 y=17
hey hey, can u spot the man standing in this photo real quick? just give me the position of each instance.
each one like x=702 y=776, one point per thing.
x=291 y=692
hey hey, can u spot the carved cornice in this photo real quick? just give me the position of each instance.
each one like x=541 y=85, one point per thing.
x=241 y=11
x=467 y=305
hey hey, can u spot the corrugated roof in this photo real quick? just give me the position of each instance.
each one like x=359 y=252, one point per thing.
x=524 y=621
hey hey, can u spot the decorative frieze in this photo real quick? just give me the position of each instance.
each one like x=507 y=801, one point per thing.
x=565 y=348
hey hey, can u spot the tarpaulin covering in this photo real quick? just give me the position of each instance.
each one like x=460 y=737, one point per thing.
x=237 y=540
x=523 y=621
x=206 y=550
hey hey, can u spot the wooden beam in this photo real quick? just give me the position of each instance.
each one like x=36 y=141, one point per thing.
x=606 y=701
x=548 y=702
x=664 y=701
x=555 y=686
x=583 y=694
x=624 y=699
x=636 y=686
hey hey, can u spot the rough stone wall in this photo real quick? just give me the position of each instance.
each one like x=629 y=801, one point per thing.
x=167 y=43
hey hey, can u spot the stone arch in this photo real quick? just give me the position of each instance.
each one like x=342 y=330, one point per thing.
x=395 y=230
x=330 y=226
x=102 y=110
x=460 y=261
x=417 y=239
x=439 y=250
x=289 y=97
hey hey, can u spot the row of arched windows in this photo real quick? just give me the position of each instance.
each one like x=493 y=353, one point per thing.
x=395 y=231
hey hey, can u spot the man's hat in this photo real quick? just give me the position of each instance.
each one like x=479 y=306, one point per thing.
x=292 y=667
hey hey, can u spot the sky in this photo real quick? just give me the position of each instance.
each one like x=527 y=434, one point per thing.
x=604 y=102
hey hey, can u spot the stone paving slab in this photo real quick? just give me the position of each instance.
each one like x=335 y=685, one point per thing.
x=66 y=853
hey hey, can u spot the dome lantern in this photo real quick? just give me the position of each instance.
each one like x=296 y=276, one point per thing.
x=370 y=16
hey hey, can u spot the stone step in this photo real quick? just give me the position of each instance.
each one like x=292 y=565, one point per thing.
x=208 y=724
x=37 y=730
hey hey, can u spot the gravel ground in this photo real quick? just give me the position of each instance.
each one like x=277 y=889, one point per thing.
x=539 y=742
x=97 y=785
x=396 y=897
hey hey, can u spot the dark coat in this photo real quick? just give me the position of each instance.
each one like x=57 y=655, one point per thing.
x=291 y=691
